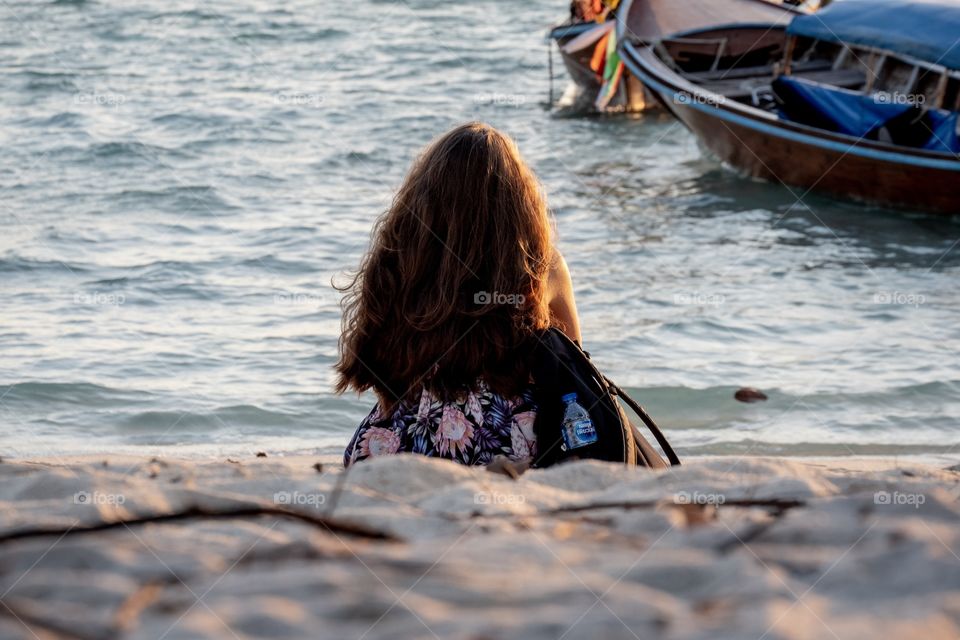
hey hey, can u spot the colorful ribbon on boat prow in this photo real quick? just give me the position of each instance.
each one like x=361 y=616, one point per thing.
x=612 y=69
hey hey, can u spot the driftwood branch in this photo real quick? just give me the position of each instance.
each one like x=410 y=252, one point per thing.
x=332 y=525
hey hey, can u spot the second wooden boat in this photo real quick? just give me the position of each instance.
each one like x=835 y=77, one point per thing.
x=588 y=42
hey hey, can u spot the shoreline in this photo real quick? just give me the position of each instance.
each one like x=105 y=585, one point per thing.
x=333 y=458
x=718 y=548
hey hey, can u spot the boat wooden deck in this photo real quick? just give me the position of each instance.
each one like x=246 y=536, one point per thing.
x=743 y=88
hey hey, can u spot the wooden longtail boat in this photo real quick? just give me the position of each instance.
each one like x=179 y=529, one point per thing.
x=578 y=42
x=859 y=100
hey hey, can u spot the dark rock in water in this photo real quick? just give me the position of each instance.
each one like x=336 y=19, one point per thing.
x=319 y=467
x=261 y=454
x=749 y=394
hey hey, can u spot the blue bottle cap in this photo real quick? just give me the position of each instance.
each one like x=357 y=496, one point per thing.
x=570 y=397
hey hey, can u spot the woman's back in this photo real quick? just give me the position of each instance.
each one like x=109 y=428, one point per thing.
x=456 y=286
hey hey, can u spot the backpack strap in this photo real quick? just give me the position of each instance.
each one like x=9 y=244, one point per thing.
x=647 y=420
x=545 y=369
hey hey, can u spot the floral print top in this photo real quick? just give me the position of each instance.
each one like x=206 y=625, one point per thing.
x=472 y=429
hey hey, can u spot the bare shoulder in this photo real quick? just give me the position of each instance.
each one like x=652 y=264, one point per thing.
x=563 y=307
x=558 y=279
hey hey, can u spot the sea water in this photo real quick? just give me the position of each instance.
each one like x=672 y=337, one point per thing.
x=181 y=181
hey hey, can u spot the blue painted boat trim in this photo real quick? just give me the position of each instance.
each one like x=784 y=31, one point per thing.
x=568 y=30
x=851 y=148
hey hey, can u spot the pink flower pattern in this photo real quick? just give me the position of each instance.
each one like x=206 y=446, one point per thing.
x=378 y=441
x=522 y=437
x=455 y=432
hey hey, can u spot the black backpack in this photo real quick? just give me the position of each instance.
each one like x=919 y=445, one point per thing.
x=559 y=367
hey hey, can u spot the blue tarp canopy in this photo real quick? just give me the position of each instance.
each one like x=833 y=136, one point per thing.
x=832 y=108
x=924 y=29
x=943 y=126
x=855 y=114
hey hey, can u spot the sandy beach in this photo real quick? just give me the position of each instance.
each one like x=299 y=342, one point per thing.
x=409 y=547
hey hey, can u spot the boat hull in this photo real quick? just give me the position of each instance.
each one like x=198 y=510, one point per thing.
x=811 y=167
x=631 y=98
x=802 y=157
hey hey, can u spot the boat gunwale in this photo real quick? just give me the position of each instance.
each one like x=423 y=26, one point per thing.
x=570 y=29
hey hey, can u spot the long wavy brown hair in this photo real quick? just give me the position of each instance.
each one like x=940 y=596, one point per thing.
x=453 y=287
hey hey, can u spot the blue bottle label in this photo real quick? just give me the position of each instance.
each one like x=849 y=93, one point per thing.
x=585 y=431
x=579 y=434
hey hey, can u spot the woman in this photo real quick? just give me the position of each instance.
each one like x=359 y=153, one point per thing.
x=461 y=277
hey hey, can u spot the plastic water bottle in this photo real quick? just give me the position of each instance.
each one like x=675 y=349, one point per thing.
x=577 y=427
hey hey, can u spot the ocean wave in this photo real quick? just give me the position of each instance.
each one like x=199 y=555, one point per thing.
x=744 y=447
x=51 y=84
x=66 y=119
x=191 y=120
x=273 y=263
x=26 y=265
x=188 y=15
x=118 y=154
x=126 y=149
x=249 y=418
x=715 y=409
x=84 y=395
x=196 y=199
